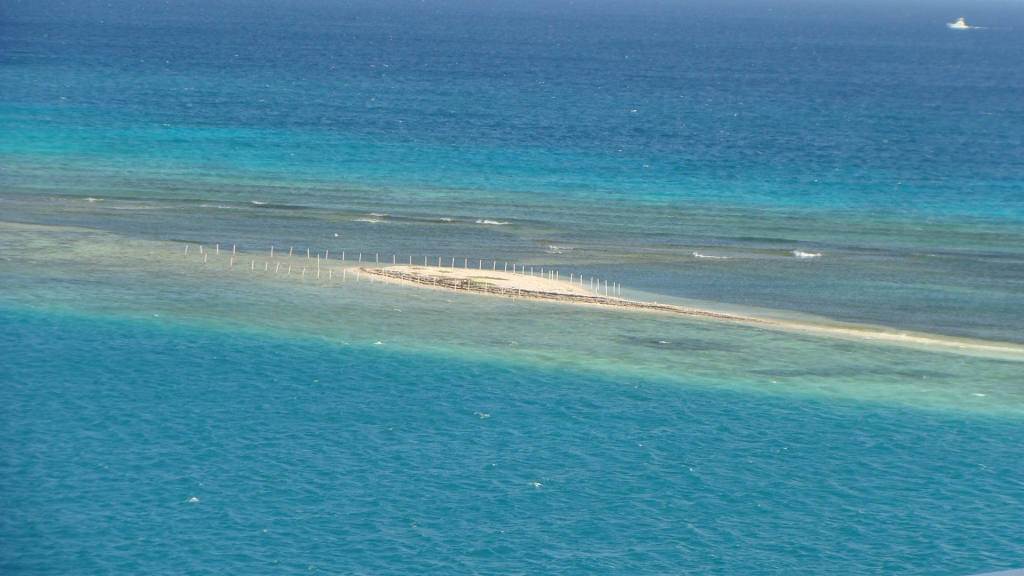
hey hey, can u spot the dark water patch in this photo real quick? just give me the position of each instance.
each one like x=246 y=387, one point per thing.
x=677 y=343
x=277 y=206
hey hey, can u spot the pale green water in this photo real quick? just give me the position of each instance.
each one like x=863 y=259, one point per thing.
x=100 y=273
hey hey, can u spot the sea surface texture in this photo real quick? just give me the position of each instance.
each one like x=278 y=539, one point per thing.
x=176 y=399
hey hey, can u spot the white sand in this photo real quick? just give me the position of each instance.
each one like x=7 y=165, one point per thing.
x=493 y=280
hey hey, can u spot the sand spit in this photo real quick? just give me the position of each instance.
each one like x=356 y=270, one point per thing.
x=498 y=283
x=517 y=285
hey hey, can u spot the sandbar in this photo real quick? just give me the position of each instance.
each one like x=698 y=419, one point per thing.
x=535 y=287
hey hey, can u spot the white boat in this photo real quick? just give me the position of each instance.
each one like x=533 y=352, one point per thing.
x=959 y=25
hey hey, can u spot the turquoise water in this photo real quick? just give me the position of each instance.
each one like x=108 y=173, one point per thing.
x=687 y=152
x=302 y=454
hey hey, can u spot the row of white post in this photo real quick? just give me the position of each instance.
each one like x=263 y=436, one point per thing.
x=614 y=289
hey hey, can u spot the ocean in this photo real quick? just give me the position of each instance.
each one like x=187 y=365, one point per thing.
x=168 y=412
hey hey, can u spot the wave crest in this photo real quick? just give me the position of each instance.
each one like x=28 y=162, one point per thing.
x=699 y=255
x=799 y=254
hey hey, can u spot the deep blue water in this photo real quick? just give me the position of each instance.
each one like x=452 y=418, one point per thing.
x=685 y=150
x=803 y=104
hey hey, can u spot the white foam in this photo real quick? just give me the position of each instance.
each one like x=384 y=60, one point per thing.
x=193 y=500
x=799 y=254
x=699 y=255
x=258 y=203
x=491 y=222
x=370 y=220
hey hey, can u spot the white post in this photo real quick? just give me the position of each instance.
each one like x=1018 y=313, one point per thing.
x=330 y=274
x=232 y=263
x=307 y=253
x=303 y=272
x=205 y=256
x=233 y=249
x=327 y=254
x=253 y=267
x=342 y=255
x=186 y=249
x=277 y=268
x=271 y=250
x=394 y=259
x=266 y=267
x=570 y=277
x=218 y=249
x=506 y=266
x=289 y=270
x=495 y=266
x=377 y=254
